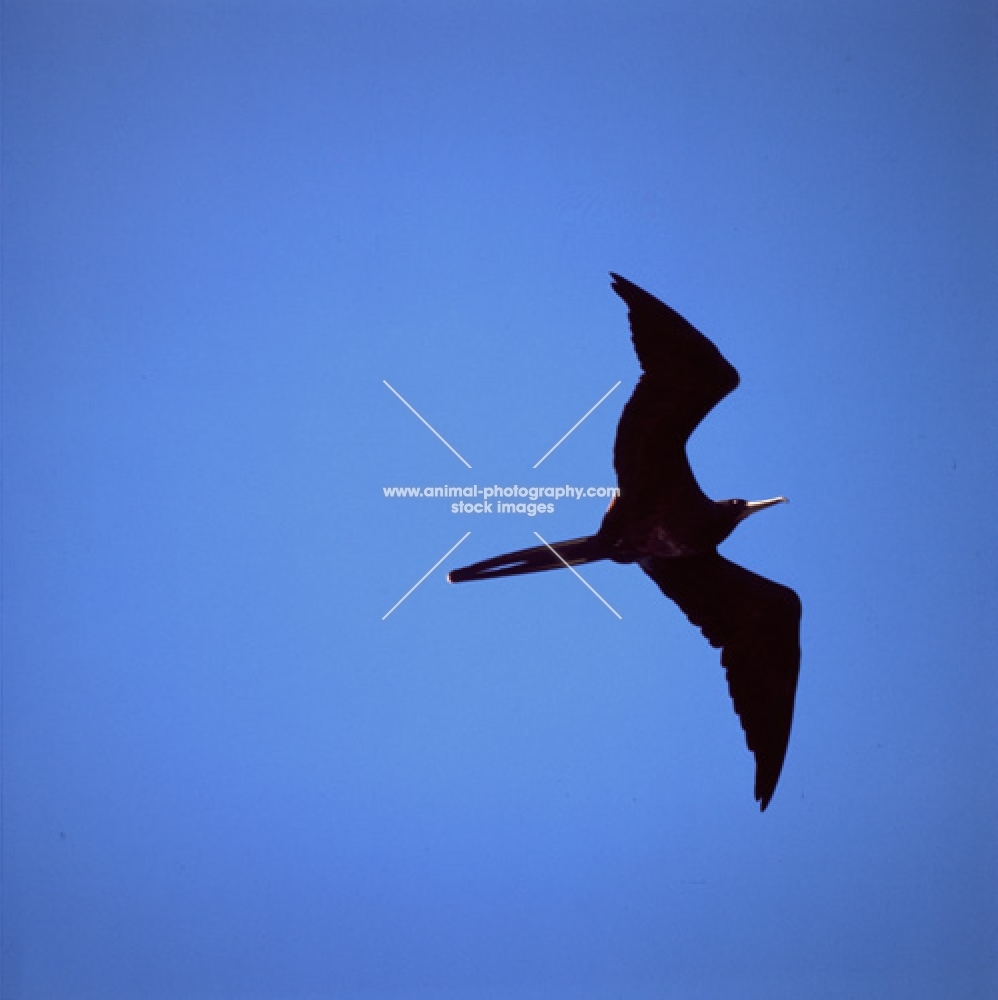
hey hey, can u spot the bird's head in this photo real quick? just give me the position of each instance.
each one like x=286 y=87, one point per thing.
x=735 y=511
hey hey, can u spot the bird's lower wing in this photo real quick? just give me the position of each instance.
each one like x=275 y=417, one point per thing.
x=756 y=624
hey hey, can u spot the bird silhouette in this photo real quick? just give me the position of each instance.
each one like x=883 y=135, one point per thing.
x=665 y=523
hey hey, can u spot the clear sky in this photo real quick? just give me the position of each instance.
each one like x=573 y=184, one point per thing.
x=224 y=225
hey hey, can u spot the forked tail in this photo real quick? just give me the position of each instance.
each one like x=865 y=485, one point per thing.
x=534 y=560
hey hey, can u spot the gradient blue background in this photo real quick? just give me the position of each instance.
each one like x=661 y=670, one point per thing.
x=224 y=776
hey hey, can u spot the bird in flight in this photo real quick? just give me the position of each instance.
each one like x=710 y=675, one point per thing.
x=665 y=523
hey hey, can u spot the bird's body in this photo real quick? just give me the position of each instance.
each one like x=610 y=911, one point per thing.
x=663 y=521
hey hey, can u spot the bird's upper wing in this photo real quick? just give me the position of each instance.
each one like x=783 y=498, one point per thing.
x=684 y=377
x=756 y=624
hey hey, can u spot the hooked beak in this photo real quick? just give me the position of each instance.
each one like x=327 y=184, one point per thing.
x=534 y=560
x=753 y=506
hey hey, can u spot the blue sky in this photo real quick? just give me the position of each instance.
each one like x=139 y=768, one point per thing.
x=224 y=225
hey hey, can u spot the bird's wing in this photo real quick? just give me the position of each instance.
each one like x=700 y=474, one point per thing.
x=684 y=378
x=756 y=624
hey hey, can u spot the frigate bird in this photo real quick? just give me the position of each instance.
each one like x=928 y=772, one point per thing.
x=665 y=523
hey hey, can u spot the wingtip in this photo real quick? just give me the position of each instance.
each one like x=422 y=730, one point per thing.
x=764 y=795
x=633 y=295
x=765 y=789
x=621 y=285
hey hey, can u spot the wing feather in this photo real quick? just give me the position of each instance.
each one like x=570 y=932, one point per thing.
x=684 y=377
x=756 y=625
